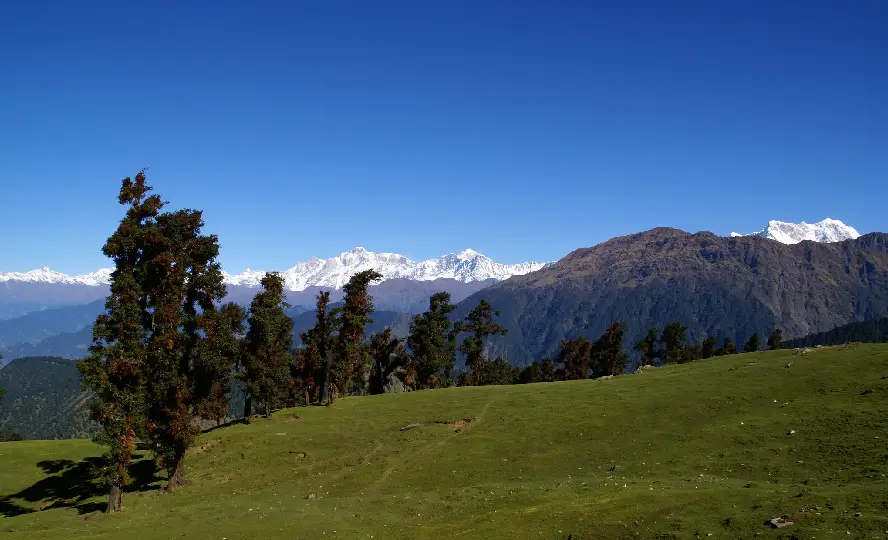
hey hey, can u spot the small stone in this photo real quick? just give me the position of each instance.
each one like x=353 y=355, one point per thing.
x=410 y=426
x=614 y=468
x=779 y=523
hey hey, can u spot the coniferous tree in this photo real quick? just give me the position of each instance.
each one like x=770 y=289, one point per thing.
x=608 y=357
x=433 y=344
x=268 y=343
x=548 y=370
x=727 y=348
x=351 y=353
x=674 y=346
x=317 y=354
x=775 y=340
x=218 y=355
x=388 y=355
x=647 y=346
x=531 y=373
x=708 y=348
x=479 y=323
x=538 y=371
x=753 y=344
x=183 y=283
x=574 y=358
x=114 y=371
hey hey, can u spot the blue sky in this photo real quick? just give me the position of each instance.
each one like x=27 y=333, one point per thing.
x=523 y=130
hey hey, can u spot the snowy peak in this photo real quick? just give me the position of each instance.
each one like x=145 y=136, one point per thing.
x=466 y=266
x=48 y=275
x=828 y=230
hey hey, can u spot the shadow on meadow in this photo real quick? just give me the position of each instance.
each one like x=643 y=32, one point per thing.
x=72 y=484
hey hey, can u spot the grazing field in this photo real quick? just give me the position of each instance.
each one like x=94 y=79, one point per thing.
x=710 y=449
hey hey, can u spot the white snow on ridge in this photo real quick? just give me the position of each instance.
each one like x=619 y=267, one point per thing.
x=48 y=275
x=828 y=230
x=466 y=266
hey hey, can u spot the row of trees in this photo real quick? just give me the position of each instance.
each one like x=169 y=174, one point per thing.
x=581 y=359
x=166 y=350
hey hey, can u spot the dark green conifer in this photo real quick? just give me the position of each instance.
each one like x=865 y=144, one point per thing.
x=183 y=285
x=608 y=357
x=753 y=344
x=268 y=343
x=708 y=348
x=114 y=371
x=480 y=325
x=647 y=346
x=351 y=358
x=432 y=344
x=388 y=355
x=674 y=347
x=575 y=357
x=775 y=340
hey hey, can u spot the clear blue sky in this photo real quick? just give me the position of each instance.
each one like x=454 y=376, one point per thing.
x=523 y=130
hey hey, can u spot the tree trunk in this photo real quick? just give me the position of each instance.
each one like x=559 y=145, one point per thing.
x=218 y=421
x=248 y=409
x=177 y=476
x=306 y=397
x=267 y=409
x=115 y=499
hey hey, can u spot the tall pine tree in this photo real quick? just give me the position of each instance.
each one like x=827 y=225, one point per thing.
x=114 y=371
x=217 y=357
x=268 y=346
x=316 y=356
x=351 y=360
x=479 y=323
x=647 y=346
x=388 y=355
x=775 y=340
x=432 y=344
x=608 y=357
x=575 y=357
x=753 y=344
x=183 y=284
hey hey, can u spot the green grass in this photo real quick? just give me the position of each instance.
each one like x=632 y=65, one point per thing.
x=703 y=449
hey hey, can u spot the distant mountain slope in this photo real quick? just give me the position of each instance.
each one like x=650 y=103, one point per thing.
x=828 y=230
x=39 y=325
x=69 y=345
x=714 y=285
x=44 y=399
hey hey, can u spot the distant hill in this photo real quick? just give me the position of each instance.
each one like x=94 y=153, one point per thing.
x=44 y=399
x=39 y=325
x=714 y=285
x=875 y=331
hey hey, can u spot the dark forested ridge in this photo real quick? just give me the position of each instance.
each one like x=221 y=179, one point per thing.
x=43 y=399
x=716 y=286
x=874 y=331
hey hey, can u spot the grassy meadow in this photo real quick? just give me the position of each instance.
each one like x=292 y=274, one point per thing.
x=710 y=449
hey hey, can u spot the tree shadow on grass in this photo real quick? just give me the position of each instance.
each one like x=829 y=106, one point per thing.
x=72 y=484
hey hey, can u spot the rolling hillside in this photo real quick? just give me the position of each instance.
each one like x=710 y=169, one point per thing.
x=709 y=449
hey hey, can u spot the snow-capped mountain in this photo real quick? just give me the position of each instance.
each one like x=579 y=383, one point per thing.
x=828 y=230
x=467 y=266
x=48 y=275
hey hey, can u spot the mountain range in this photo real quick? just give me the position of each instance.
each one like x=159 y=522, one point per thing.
x=723 y=286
